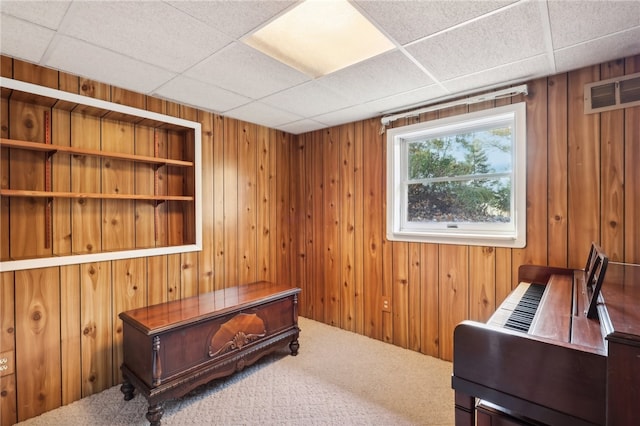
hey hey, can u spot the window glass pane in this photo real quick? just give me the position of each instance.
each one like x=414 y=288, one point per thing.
x=482 y=151
x=470 y=201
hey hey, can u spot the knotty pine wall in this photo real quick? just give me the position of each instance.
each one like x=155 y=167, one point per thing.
x=583 y=185
x=310 y=210
x=62 y=323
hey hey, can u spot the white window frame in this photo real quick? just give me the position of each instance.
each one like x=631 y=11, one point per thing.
x=512 y=234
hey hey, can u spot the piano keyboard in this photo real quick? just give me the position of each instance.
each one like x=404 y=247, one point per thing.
x=519 y=308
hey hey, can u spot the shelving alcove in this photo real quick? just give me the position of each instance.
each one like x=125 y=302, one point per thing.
x=86 y=180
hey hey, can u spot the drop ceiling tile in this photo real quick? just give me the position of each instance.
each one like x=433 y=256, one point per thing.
x=408 y=21
x=409 y=99
x=576 y=22
x=259 y=113
x=234 y=18
x=597 y=51
x=198 y=94
x=44 y=13
x=246 y=71
x=378 y=77
x=80 y=58
x=302 y=126
x=153 y=32
x=528 y=69
x=308 y=99
x=348 y=115
x=513 y=34
x=14 y=43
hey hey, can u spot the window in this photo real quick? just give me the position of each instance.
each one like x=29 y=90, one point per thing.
x=459 y=180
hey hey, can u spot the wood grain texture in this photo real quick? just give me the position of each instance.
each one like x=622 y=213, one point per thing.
x=38 y=366
x=334 y=177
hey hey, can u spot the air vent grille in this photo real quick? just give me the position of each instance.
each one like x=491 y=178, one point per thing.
x=614 y=93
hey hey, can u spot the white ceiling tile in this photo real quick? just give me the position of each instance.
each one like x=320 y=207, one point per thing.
x=379 y=77
x=14 y=43
x=407 y=21
x=259 y=113
x=302 y=126
x=574 y=22
x=500 y=76
x=601 y=50
x=308 y=99
x=196 y=93
x=509 y=36
x=84 y=59
x=153 y=32
x=409 y=99
x=347 y=115
x=246 y=71
x=234 y=18
x=44 y=13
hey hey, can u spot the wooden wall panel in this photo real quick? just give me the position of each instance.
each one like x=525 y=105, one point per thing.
x=312 y=212
x=38 y=366
x=8 y=412
x=331 y=229
x=632 y=175
x=584 y=169
x=97 y=327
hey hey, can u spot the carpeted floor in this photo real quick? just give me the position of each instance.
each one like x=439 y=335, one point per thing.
x=338 y=378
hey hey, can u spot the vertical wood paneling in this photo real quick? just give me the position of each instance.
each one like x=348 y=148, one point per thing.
x=308 y=210
x=60 y=181
x=8 y=413
x=557 y=170
x=331 y=229
x=4 y=180
x=297 y=210
x=144 y=177
x=632 y=175
x=482 y=275
x=347 y=229
x=316 y=242
x=85 y=177
x=247 y=204
x=612 y=169
x=537 y=219
x=117 y=176
x=263 y=201
x=430 y=300
x=206 y=256
x=373 y=227
x=27 y=230
x=358 y=218
x=97 y=327
x=584 y=169
x=217 y=165
x=128 y=279
x=230 y=202
x=70 y=337
x=38 y=367
x=454 y=293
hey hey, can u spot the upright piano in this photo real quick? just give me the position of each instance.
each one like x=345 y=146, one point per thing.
x=555 y=363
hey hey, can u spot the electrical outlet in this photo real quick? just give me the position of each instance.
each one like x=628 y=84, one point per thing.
x=386 y=304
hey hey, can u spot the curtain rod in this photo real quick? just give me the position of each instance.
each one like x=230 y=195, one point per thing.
x=498 y=94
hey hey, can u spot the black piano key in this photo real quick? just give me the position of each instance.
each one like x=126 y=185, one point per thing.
x=524 y=312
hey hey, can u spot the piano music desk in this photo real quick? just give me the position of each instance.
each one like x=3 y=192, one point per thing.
x=171 y=348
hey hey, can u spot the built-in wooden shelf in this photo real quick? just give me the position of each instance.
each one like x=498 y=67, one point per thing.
x=57 y=194
x=35 y=146
x=37 y=111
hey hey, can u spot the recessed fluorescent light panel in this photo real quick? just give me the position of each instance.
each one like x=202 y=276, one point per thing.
x=319 y=37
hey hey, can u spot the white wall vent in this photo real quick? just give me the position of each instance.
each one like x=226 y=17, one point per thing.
x=614 y=93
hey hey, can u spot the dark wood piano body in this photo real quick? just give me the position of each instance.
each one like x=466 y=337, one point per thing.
x=568 y=369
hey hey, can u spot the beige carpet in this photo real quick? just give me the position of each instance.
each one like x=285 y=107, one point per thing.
x=338 y=378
